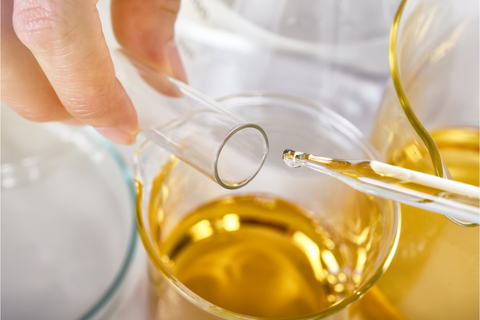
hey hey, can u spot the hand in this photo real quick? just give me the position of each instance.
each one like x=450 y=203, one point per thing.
x=56 y=65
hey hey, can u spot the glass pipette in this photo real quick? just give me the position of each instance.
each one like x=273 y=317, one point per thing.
x=448 y=197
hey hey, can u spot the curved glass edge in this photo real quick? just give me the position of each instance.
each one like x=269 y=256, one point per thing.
x=217 y=156
x=129 y=179
x=438 y=165
x=351 y=131
x=226 y=314
x=402 y=96
x=186 y=89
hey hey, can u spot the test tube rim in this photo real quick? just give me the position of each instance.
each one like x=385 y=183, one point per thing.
x=220 y=149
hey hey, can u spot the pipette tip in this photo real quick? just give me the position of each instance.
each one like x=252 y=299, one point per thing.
x=294 y=159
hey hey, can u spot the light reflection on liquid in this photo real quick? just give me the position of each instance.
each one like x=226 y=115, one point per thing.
x=262 y=256
x=201 y=230
x=312 y=251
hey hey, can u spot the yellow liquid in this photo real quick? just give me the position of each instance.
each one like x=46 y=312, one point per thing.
x=260 y=256
x=435 y=271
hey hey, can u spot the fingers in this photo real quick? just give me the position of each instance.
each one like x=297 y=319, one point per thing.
x=25 y=88
x=66 y=38
x=67 y=70
x=146 y=29
x=176 y=62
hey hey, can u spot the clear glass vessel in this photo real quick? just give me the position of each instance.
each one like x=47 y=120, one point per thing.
x=219 y=143
x=358 y=232
x=68 y=227
x=334 y=52
x=429 y=121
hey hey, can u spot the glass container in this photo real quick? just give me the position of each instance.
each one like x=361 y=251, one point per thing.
x=68 y=228
x=429 y=122
x=361 y=229
x=334 y=52
x=217 y=142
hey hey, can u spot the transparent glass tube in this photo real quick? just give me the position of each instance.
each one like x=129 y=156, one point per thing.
x=219 y=143
x=448 y=197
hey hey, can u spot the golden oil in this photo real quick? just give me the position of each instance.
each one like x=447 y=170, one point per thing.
x=259 y=255
x=435 y=271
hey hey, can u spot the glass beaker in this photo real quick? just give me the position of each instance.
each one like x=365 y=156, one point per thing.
x=333 y=52
x=429 y=121
x=346 y=239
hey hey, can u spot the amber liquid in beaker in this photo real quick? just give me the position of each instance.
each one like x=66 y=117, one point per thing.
x=261 y=256
x=423 y=251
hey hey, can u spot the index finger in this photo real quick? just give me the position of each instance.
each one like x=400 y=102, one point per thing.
x=66 y=38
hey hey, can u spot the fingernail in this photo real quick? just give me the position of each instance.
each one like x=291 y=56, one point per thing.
x=116 y=135
x=176 y=62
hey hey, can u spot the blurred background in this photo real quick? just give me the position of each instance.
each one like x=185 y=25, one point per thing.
x=331 y=52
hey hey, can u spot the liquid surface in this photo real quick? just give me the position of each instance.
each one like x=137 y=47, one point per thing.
x=442 y=259
x=260 y=256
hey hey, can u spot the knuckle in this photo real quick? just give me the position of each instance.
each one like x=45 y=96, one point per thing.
x=38 y=114
x=38 y=24
x=92 y=108
x=88 y=111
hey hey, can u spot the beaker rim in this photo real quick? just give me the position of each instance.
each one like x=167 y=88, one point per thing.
x=156 y=260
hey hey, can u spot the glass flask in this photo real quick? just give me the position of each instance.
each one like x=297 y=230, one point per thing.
x=347 y=238
x=428 y=121
x=334 y=52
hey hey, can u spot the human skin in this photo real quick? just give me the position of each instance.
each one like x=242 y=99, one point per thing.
x=56 y=65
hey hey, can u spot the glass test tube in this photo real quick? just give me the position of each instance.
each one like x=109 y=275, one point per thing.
x=217 y=142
